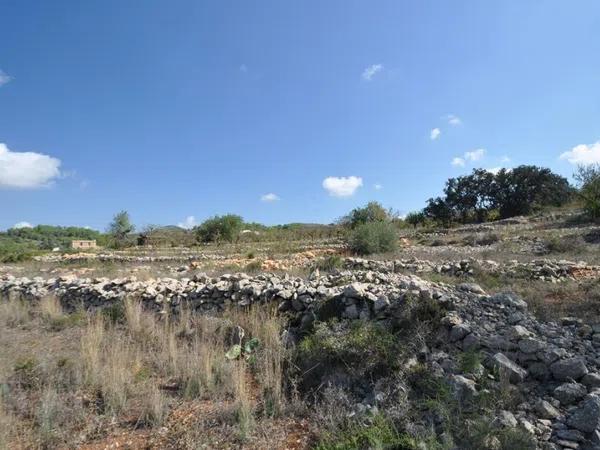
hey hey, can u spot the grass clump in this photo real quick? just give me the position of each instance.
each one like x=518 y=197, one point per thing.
x=373 y=237
x=14 y=312
x=329 y=263
x=377 y=433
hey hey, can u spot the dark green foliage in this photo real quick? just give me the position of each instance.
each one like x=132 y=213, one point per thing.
x=220 y=228
x=373 y=237
x=415 y=218
x=372 y=212
x=483 y=195
x=439 y=210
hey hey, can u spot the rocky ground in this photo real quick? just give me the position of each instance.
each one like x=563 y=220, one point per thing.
x=443 y=342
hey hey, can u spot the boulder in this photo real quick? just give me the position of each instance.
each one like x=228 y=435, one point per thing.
x=508 y=299
x=545 y=410
x=508 y=368
x=530 y=345
x=565 y=369
x=586 y=418
x=569 y=393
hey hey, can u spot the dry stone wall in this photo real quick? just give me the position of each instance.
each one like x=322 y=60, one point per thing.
x=555 y=366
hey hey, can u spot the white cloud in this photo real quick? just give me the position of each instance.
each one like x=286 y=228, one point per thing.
x=370 y=71
x=188 y=223
x=342 y=186
x=435 y=133
x=453 y=120
x=475 y=155
x=4 y=78
x=494 y=170
x=458 y=162
x=505 y=159
x=270 y=197
x=244 y=68
x=378 y=187
x=27 y=170
x=583 y=154
x=22 y=225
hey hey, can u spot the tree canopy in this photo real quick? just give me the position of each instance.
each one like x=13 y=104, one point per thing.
x=483 y=195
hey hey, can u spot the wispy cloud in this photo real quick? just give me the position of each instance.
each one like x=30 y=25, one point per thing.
x=370 y=71
x=378 y=187
x=505 y=159
x=453 y=120
x=269 y=198
x=458 y=162
x=435 y=133
x=27 y=170
x=4 y=78
x=583 y=154
x=22 y=225
x=475 y=155
x=342 y=186
x=188 y=223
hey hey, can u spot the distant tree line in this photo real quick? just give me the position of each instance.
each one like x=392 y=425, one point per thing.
x=49 y=237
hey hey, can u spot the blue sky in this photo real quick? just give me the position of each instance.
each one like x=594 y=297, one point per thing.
x=195 y=108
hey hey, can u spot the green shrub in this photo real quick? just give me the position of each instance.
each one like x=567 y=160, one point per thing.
x=360 y=347
x=373 y=237
x=372 y=212
x=220 y=228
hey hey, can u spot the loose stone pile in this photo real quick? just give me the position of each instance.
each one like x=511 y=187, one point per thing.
x=541 y=269
x=555 y=367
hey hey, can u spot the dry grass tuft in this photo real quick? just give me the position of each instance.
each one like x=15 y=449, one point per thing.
x=50 y=308
x=14 y=312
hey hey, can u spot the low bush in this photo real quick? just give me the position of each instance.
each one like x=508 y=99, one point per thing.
x=373 y=237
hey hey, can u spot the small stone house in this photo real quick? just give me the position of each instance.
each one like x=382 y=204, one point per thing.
x=83 y=244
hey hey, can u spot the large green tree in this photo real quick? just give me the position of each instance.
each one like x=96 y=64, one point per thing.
x=371 y=212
